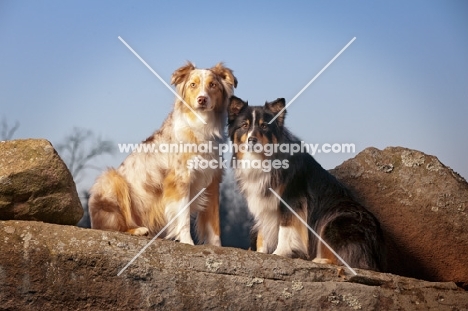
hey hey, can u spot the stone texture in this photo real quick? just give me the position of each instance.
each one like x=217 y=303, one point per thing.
x=35 y=184
x=52 y=267
x=422 y=206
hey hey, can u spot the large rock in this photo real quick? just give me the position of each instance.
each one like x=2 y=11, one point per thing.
x=35 y=184
x=52 y=267
x=422 y=206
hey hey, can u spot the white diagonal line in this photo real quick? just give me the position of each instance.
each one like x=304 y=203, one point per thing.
x=161 y=79
x=159 y=233
x=315 y=233
x=313 y=79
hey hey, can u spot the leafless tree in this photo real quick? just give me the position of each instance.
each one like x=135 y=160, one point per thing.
x=80 y=148
x=7 y=132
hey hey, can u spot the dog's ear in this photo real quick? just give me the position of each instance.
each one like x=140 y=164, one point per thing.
x=226 y=75
x=236 y=105
x=277 y=107
x=181 y=74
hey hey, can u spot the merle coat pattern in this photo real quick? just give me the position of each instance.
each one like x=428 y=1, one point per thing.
x=327 y=206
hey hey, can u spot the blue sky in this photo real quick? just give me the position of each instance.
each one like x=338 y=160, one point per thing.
x=402 y=82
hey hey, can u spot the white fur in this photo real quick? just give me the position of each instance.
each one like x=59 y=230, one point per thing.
x=267 y=224
x=209 y=104
x=253 y=126
x=211 y=237
x=279 y=240
x=289 y=239
x=180 y=230
x=141 y=231
x=263 y=208
x=142 y=177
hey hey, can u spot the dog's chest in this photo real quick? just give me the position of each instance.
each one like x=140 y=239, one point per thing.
x=199 y=145
x=255 y=185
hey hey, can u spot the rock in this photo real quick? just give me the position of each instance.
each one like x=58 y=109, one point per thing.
x=422 y=206
x=51 y=267
x=35 y=184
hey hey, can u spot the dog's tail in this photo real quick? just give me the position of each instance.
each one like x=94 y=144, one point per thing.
x=110 y=203
x=355 y=235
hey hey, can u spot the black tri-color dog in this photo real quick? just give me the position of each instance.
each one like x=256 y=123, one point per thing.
x=310 y=191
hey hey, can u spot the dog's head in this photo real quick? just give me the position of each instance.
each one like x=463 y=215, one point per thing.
x=250 y=125
x=204 y=89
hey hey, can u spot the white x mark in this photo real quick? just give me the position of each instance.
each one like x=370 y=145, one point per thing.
x=161 y=79
x=315 y=233
x=159 y=233
x=313 y=79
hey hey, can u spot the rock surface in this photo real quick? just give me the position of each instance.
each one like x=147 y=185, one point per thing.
x=52 y=267
x=35 y=184
x=422 y=206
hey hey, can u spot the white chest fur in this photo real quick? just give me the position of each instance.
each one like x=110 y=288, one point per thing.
x=262 y=204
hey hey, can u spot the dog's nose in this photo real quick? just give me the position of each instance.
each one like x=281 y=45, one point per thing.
x=252 y=140
x=202 y=100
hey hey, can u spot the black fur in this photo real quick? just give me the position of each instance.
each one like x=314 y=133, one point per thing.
x=349 y=228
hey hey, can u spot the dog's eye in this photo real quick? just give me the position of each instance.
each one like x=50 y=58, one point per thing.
x=212 y=85
x=193 y=84
x=245 y=125
x=264 y=126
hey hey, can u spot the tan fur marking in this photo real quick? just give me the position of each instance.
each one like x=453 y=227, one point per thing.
x=215 y=90
x=121 y=192
x=181 y=74
x=190 y=136
x=324 y=254
x=151 y=187
x=243 y=139
x=226 y=74
x=210 y=215
x=134 y=197
x=100 y=219
x=259 y=240
x=174 y=190
x=138 y=231
x=119 y=207
x=327 y=254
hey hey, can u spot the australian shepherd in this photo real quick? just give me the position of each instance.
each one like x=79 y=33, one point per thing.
x=149 y=189
x=308 y=190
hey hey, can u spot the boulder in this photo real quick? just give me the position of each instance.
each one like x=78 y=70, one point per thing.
x=35 y=184
x=422 y=206
x=52 y=267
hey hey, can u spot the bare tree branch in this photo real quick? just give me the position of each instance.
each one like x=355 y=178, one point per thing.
x=7 y=132
x=80 y=148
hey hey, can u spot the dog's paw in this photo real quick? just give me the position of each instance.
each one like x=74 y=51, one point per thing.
x=261 y=249
x=324 y=261
x=186 y=240
x=140 y=231
x=215 y=240
x=283 y=252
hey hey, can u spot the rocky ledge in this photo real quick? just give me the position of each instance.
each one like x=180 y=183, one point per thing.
x=54 y=267
x=420 y=203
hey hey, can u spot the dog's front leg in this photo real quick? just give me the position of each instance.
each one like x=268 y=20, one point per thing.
x=292 y=236
x=208 y=219
x=183 y=221
x=177 y=211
